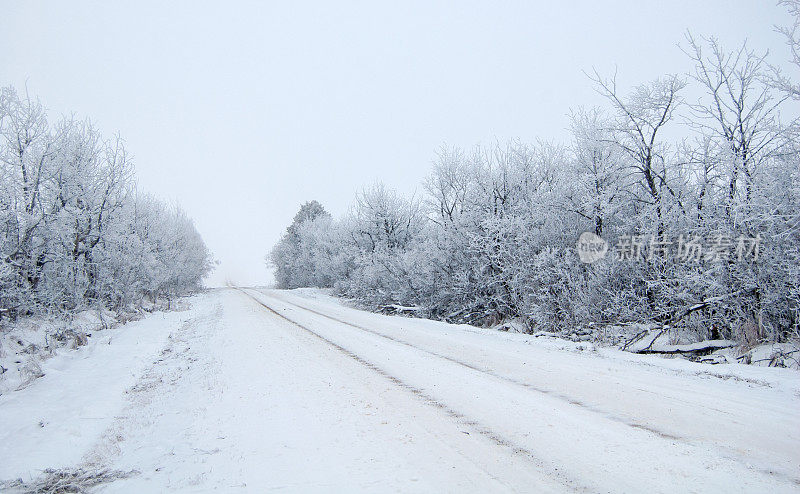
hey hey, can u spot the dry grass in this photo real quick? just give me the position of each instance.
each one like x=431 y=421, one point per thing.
x=64 y=481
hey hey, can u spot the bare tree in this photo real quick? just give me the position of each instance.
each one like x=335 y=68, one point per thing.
x=641 y=118
x=600 y=179
x=741 y=109
x=448 y=185
x=792 y=35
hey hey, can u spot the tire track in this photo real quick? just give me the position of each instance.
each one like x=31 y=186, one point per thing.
x=726 y=454
x=551 y=471
x=511 y=380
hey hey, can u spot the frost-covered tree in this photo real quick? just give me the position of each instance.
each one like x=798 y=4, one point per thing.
x=598 y=175
x=740 y=110
x=791 y=33
x=494 y=237
x=640 y=120
x=72 y=233
x=290 y=256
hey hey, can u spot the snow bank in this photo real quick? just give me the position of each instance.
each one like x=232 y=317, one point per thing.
x=27 y=343
x=80 y=391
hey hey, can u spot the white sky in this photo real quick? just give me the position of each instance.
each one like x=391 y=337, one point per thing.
x=241 y=111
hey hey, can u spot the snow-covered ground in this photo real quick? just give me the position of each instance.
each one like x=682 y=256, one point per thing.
x=257 y=390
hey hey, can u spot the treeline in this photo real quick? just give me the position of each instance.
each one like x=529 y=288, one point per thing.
x=703 y=229
x=74 y=233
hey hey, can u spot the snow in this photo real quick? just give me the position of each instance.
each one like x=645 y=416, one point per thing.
x=24 y=344
x=230 y=396
x=738 y=418
x=54 y=421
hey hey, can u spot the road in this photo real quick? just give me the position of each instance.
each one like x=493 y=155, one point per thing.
x=258 y=390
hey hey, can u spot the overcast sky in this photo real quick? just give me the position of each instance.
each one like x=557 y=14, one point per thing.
x=241 y=111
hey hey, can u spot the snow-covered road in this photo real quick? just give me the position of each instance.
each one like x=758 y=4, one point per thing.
x=258 y=390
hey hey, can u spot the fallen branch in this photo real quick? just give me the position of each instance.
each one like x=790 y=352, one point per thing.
x=398 y=309
x=638 y=336
x=676 y=316
x=691 y=348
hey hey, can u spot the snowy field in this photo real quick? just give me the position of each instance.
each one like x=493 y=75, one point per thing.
x=259 y=390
